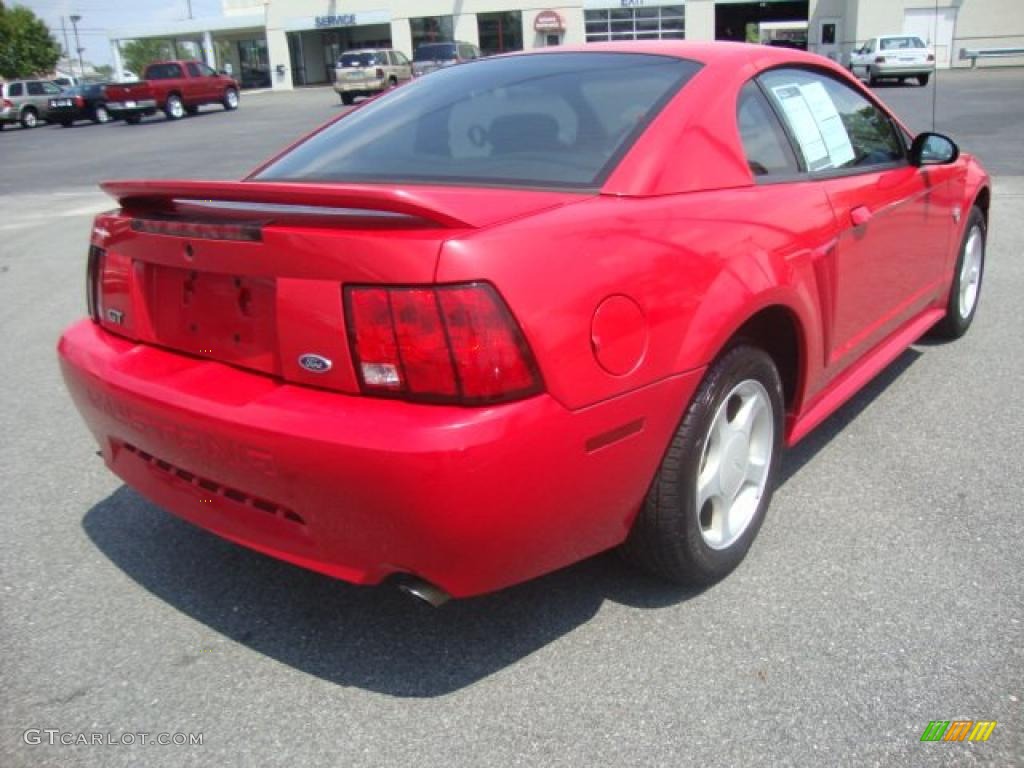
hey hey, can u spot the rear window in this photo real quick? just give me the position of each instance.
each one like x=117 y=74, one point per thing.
x=162 y=72
x=360 y=59
x=896 y=43
x=435 y=52
x=561 y=120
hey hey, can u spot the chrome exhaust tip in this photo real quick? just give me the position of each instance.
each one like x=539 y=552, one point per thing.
x=425 y=591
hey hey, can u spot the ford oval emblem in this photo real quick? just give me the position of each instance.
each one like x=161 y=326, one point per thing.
x=315 y=363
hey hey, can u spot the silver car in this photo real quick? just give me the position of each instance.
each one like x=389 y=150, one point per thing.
x=26 y=101
x=893 y=56
x=432 y=56
x=367 y=71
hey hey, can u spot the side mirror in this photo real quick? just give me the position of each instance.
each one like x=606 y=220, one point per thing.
x=933 y=149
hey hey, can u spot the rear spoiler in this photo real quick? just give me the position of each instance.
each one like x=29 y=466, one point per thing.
x=431 y=204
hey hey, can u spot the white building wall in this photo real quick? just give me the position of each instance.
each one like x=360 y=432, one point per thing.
x=700 y=20
x=979 y=23
x=466 y=29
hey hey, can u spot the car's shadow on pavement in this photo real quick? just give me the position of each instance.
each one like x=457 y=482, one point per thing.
x=375 y=637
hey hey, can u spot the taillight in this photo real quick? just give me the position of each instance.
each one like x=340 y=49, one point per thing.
x=79 y=102
x=380 y=73
x=93 y=272
x=6 y=103
x=879 y=59
x=447 y=343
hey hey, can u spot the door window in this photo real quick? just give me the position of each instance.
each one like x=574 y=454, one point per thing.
x=35 y=89
x=833 y=126
x=15 y=89
x=768 y=151
x=193 y=69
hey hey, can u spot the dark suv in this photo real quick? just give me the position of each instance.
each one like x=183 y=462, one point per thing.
x=431 y=56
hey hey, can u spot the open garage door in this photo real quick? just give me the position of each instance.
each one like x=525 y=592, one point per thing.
x=760 y=21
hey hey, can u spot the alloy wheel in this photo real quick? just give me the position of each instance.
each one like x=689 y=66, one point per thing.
x=735 y=463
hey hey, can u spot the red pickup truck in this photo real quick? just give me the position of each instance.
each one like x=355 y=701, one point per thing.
x=178 y=88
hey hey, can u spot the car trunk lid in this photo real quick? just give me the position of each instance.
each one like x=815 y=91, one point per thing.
x=251 y=273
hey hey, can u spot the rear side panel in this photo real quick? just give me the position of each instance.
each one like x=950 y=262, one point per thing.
x=695 y=266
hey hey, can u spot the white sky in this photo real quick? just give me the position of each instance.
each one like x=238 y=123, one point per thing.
x=98 y=16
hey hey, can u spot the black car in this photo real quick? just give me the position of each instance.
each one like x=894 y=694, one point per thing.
x=82 y=102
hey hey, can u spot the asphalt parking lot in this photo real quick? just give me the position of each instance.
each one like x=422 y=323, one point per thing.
x=885 y=590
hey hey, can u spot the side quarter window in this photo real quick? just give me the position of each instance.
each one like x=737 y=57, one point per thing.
x=835 y=127
x=768 y=151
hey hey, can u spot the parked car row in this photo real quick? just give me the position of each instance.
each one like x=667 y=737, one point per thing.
x=176 y=88
x=369 y=71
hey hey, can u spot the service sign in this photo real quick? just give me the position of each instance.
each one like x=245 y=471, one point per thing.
x=341 y=20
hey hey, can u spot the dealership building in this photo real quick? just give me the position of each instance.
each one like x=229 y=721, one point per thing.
x=290 y=43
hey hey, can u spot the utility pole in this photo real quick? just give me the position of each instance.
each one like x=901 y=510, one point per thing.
x=75 y=18
x=67 y=48
x=189 y=8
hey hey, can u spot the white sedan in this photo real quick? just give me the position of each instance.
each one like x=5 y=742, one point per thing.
x=893 y=56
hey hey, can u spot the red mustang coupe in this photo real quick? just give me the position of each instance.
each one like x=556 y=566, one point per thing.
x=522 y=311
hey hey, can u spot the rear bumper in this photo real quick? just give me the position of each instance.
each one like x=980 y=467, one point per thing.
x=144 y=107
x=361 y=488
x=57 y=114
x=901 y=70
x=361 y=86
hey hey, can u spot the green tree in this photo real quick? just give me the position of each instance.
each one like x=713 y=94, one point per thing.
x=104 y=70
x=136 y=54
x=26 y=46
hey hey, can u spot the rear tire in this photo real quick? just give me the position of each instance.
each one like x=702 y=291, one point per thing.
x=347 y=99
x=872 y=78
x=710 y=494
x=133 y=119
x=100 y=115
x=230 y=101
x=392 y=82
x=923 y=79
x=965 y=291
x=174 y=108
x=66 y=123
x=29 y=118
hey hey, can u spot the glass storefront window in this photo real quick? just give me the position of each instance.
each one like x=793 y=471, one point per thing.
x=431 y=29
x=500 y=32
x=652 y=23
